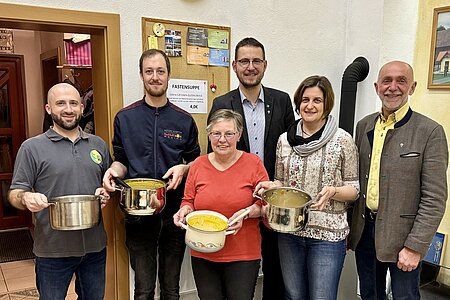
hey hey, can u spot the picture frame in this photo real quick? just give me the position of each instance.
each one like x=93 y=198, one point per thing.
x=439 y=66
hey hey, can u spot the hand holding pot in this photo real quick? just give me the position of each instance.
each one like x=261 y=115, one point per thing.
x=325 y=195
x=104 y=196
x=180 y=216
x=117 y=170
x=177 y=172
x=264 y=185
x=236 y=220
x=34 y=201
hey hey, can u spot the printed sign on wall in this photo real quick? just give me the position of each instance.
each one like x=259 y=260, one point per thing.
x=190 y=95
x=6 y=41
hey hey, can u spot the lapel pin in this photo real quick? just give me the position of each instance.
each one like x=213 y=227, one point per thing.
x=401 y=144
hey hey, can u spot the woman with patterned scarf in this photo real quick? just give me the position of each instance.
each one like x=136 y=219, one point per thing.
x=316 y=156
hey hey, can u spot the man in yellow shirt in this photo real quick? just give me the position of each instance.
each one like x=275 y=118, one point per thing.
x=403 y=160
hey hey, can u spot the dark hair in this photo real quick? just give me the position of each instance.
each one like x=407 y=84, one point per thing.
x=324 y=85
x=225 y=115
x=249 y=41
x=151 y=53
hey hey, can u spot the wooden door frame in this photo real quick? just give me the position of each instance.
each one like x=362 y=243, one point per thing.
x=107 y=81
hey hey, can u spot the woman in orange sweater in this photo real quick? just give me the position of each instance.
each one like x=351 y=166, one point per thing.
x=224 y=181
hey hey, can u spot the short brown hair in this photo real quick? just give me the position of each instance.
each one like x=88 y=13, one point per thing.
x=324 y=85
x=151 y=53
x=249 y=42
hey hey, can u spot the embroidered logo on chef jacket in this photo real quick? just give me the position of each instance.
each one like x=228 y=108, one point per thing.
x=172 y=134
x=96 y=156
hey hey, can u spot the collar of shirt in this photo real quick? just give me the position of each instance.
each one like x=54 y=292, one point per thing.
x=54 y=136
x=260 y=97
x=396 y=116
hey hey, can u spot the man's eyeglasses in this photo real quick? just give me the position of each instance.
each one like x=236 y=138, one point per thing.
x=255 y=62
x=217 y=135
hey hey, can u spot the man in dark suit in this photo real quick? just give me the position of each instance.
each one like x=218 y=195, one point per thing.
x=267 y=114
x=403 y=160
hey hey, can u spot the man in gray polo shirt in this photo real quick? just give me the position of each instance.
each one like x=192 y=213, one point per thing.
x=63 y=161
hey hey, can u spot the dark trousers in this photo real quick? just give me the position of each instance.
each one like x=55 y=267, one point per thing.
x=225 y=280
x=145 y=238
x=273 y=286
x=372 y=272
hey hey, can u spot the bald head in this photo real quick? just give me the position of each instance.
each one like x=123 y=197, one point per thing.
x=62 y=88
x=407 y=69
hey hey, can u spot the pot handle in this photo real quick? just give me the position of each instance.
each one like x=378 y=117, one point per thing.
x=120 y=189
x=184 y=226
x=228 y=232
x=240 y=217
x=120 y=182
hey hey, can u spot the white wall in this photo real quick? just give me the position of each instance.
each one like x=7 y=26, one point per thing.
x=301 y=38
x=28 y=44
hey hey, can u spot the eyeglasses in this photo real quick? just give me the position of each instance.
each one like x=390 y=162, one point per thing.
x=255 y=62
x=217 y=135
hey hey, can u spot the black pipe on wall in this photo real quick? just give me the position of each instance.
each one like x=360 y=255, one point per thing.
x=355 y=72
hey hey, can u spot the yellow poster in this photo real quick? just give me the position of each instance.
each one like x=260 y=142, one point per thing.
x=152 y=42
x=197 y=55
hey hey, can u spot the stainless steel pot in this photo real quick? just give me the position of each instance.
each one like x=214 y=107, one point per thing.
x=142 y=196
x=74 y=212
x=285 y=209
x=206 y=230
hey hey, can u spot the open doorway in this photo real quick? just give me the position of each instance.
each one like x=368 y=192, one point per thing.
x=106 y=78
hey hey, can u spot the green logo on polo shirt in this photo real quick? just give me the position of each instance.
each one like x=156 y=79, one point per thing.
x=96 y=157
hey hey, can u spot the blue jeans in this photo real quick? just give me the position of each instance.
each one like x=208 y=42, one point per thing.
x=234 y=280
x=311 y=267
x=145 y=237
x=53 y=276
x=372 y=272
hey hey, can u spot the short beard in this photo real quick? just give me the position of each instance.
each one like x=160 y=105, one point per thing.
x=249 y=85
x=158 y=93
x=67 y=126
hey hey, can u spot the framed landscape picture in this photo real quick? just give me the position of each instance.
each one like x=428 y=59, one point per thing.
x=439 y=67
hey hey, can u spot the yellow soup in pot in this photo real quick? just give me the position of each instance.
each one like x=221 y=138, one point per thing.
x=207 y=223
x=145 y=184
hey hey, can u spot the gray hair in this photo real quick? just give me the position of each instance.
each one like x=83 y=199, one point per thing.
x=225 y=115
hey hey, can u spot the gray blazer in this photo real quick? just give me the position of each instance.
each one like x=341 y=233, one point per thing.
x=413 y=185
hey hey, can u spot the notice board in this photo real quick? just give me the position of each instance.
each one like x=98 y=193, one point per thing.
x=191 y=61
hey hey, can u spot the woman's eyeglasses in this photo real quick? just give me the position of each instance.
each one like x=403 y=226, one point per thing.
x=215 y=135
